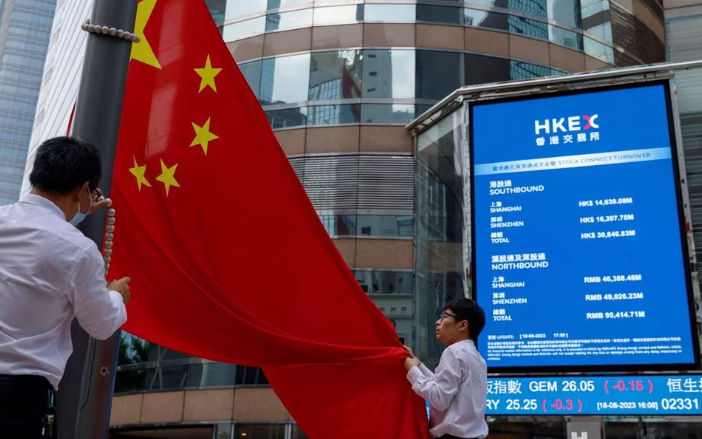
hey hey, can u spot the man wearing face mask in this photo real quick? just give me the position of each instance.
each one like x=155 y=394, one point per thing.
x=50 y=273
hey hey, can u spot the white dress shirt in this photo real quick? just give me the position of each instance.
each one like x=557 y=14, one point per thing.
x=49 y=273
x=456 y=391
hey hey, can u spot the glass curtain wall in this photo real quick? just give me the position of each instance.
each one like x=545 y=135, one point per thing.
x=439 y=261
x=25 y=28
x=583 y=25
x=349 y=86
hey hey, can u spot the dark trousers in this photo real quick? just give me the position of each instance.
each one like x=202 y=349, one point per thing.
x=25 y=400
x=448 y=436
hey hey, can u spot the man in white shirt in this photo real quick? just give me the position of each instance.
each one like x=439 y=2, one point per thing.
x=457 y=390
x=50 y=273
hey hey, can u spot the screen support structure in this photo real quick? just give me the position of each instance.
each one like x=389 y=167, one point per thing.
x=692 y=256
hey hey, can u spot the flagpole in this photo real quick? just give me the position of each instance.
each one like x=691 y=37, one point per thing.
x=84 y=399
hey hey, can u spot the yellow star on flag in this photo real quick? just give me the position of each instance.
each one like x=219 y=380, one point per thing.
x=167 y=176
x=138 y=172
x=203 y=136
x=142 y=51
x=207 y=76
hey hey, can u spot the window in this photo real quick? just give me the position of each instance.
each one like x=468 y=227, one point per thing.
x=237 y=9
x=388 y=73
x=338 y=15
x=389 y=13
x=285 y=79
x=244 y=29
x=252 y=74
x=289 y=20
x=483 y=69
x=438 y=73
x=385 y=281
x=335 y=75
x=439 y=14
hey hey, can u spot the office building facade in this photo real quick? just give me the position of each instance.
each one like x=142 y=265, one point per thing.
x=25 y=26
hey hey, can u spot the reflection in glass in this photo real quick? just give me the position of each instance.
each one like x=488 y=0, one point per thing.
x=368 y=225
x=438 y=241
x=488 y=3
x=389 y=13
x=592 y=8
x=482 y=69
x=438 y=73
x=388 y=73
x=252 y=74
x=392 y=114
x=487 y=20
x=284 y=4
x=186 y=373
x=565 y=37
x=289 y=20
x=597 y=19
x=528 y=27
x=536 y=8
x=236 y=9
x=338 y=15
x=285 y=79
x=217 y=9
x=603 y=31
x=598 y=50
x=565 y=12
x=335 y=75
x=339 y=225
x=287 y=117
x=334 y=114
x=326 y=2
x=244 y=29
x=439 y=14
x=385 y=225
x=525 y=70
x=420 y=109
x=385 y=281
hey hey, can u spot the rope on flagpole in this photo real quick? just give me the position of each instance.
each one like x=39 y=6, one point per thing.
x=105 y=30
x=109 y=236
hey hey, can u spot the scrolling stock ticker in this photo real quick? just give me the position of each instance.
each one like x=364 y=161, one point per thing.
x=578 y=253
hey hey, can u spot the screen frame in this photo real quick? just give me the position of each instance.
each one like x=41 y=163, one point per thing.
x=676 y=154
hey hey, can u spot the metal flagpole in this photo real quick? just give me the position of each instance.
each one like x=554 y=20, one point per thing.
x=85 y=393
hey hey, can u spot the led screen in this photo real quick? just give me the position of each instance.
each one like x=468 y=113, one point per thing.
x=578 y=255
x=595 y=395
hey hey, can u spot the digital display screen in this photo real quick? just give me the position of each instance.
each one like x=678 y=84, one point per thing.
x=577 y=234
x=602 y=395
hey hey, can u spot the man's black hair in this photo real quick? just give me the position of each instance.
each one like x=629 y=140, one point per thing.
x=466 y=309
x=62 y=164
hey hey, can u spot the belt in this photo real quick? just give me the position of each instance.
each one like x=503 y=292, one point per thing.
x=25 y=379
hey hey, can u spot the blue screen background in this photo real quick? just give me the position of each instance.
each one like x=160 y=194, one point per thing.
x=629 y=119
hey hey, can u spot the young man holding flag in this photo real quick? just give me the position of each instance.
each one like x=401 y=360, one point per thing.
x=457 y=390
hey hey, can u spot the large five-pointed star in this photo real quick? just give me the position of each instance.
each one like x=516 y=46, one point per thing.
x=142 y=51
x=138 y=172
x=203 y=136
x=207 y=75
x=167 y=176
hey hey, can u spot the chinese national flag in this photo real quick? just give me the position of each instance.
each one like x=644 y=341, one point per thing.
x=228 y=258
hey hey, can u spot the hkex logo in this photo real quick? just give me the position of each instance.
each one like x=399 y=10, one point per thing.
x=565 y=124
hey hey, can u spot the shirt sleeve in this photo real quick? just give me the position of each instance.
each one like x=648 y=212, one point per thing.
x=98 y=310
x=438 y=388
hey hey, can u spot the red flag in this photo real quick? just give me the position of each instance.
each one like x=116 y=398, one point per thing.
x=228 y=257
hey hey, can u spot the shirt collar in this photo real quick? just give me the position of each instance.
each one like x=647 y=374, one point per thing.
x=38 y=200
x=470 y=342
